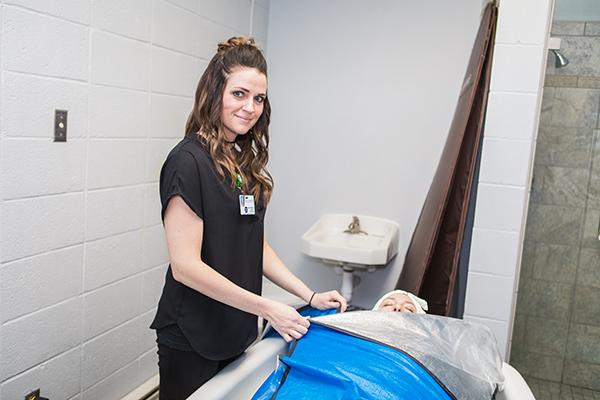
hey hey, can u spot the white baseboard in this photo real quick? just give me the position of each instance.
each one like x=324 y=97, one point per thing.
x=143 y=389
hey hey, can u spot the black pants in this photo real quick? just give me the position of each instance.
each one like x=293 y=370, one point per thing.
x=182 y=372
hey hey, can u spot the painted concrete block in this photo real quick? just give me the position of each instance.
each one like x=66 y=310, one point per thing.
x=48 y=168
x=111 y=305
x=37 y=337
x=147 y=336
x=58 y=378
x=116 y=385
x=505 y=161
x=232 y=13
x=115 y=163
x=494 y=252
x=155 y=247
x=29 y=225
x=500 y=207
x=113 y=211
x=156 y=154
x=109 y=352
x=152 y=286
x=164 y=62
x=522 y=22
x=72 y=10
x=511 y=116
x=191 y=5
x=152 y=206
x=211 y=34
x=517 y=68
x=28 y=104
x=175 y=28
x=29 y=45
x=118 y=61
x=113 y=258
x=148 y=364
x=118 y=113
x=168 y=115
x=33 y=283
x=489 y=296
x=132 y=18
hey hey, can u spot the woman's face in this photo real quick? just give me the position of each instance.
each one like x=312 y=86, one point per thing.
x=398 y=302
x=243 y=101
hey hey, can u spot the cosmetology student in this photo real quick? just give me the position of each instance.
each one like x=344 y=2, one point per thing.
x=214 y=190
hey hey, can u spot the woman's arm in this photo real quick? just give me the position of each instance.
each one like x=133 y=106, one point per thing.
x=184 y=231
x=276 y=271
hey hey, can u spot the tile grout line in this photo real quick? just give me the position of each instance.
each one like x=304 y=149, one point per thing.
x=146 y=173
x=2 y=138
x=46 y=14
x=91 y=31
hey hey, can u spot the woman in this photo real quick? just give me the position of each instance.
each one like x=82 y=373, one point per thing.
x=214 y=189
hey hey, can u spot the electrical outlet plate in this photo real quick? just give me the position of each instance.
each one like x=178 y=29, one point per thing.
x=35 y=395
x=60 y=125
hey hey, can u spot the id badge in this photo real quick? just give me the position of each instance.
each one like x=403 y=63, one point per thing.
x=246 y=204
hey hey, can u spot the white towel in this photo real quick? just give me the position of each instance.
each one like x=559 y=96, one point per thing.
x=420 y=304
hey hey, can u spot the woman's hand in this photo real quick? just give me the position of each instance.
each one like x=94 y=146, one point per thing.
x=331 y=299
x=286 y=320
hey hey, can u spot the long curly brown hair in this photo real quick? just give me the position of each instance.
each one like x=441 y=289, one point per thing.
x=249 y=155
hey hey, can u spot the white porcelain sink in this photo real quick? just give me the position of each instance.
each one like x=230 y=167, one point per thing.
x=327 y=240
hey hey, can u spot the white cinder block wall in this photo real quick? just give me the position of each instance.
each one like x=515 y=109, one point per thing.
x=82 y=245
x=506 y=164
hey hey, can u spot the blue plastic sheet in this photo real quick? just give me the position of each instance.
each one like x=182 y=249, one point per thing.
x=329 y=364
x=305 y=312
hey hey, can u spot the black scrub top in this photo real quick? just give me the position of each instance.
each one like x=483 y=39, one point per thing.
x=232 y=244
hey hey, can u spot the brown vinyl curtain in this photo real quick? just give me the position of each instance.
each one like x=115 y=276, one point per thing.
x=432 y=259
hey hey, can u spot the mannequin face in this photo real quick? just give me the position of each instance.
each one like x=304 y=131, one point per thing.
x=243 y=101
x=398 y=302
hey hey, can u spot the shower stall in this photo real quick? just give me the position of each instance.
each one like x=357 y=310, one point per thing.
x=556 y=335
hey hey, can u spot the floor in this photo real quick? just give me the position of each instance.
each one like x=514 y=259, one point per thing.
x=546 y=390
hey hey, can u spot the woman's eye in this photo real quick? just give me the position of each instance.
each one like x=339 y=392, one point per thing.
x=238 y=93
x=259 y=99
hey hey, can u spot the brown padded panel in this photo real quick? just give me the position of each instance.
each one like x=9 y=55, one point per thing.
x=431 y=262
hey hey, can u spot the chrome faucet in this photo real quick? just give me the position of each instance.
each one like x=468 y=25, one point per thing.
x=354 y=227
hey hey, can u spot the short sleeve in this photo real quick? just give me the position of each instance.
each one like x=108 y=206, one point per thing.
x=180 y=176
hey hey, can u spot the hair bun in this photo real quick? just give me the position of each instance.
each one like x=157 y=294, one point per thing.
x=235 y=42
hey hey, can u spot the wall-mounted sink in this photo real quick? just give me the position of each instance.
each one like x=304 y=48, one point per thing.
x=330 y=238
x=350 y=242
